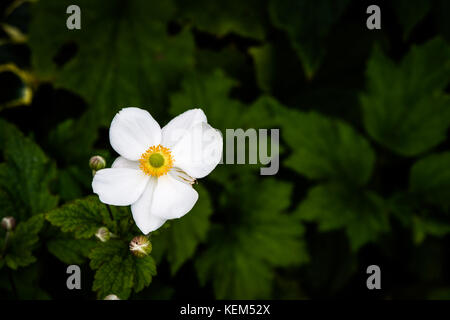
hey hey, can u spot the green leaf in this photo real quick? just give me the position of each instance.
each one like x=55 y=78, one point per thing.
x=123 y=55
x=307 y=24
x=255 y=237
x=22 y=242
x=83 y=217
x=324 y=148
x=180 y=240
x=25 y=175
x=211 y=93
x=423 y=220
x=266 y=72
x=242 y=18
x=409 y=15
x=334 y=206
x=69 y=250
x=430 y=178
x=106 y=250
x=145 y=270
x=118 y=271
x=405 y=107
x=114 y=277
x=422 y=227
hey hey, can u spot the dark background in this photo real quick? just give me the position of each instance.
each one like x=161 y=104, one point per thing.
x=224 y=35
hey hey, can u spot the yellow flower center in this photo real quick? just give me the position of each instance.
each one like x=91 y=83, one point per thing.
x=156 y=161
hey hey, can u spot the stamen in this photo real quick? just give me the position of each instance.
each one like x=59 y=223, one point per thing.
x=183 y=176
x=156 y=161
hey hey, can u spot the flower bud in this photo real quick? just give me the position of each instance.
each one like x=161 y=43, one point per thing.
x=103 y=234
x=8 y=223
x=97 y=163
x=111 y=297
x=140 y=246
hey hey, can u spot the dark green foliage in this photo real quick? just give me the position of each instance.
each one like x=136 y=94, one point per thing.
x=364 y=175
x=256 y=236
x=69 y=250
x=242 y=18
x=430 y=177
x=140 y=61
x=406 y=109
x=25 y=175
x=334 y=206
x=307 y=24
x=118 y=271
x=83 y=217
x=21 y=242
x=327 y=149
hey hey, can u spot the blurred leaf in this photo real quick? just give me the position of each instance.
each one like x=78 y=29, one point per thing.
x=71 y=181
x=334 y=206
x=410 y=14
x=265 y=73
x=211 y=93
x=430 y=179
x=439 y=294
x=332 y=264
x=15 y=84
x=242 y=18
x=180 y=240
x=255 y=237
x=118 y=271
x=69 y=250
x=26 y=283
x=22 y=241
x=307 y=24
x=440 y=16
x=421 y=227
x=83 y=217
x=123 y=55
x=278 y=70
x=405 y=108
x=25 y=175
x=324 y=148
x=409 y=208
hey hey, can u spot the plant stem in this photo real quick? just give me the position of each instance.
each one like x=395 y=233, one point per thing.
x=5 y=244
x=110 y=212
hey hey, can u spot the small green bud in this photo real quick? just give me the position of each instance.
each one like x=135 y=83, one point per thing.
x=8 y=223
x=103 y=234
x=111 y=297
x=97 y=163
x=140 y=246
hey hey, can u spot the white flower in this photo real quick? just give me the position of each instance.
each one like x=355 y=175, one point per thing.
x=157 y=167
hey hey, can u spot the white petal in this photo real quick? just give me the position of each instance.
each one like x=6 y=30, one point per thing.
x=132 y=132
x=121 y=162
x=119 y=186
x=180 y=125
x=141 y=209
x=172 y=199
x=199 y=151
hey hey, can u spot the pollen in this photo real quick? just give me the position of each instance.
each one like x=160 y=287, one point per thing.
x=156 y=161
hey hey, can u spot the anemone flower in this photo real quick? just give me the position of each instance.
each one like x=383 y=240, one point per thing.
x=157 y=167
